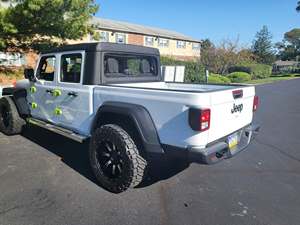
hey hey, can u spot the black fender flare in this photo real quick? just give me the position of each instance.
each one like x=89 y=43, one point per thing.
x=141 y=118
x=19 y=96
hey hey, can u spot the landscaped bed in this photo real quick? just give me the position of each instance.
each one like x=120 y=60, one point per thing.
x=10 y=76
x=274 y=78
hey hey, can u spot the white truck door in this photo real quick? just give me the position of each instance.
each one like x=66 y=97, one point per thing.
x=74 y=106
x=40 y=93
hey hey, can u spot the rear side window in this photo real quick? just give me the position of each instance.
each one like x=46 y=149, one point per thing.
x=71 y=68
x=46 y=69
x=130 y=65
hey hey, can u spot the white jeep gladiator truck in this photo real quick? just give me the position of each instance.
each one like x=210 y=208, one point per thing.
x=113 y=96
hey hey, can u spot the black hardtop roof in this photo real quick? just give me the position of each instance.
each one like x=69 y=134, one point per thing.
x=105 y=47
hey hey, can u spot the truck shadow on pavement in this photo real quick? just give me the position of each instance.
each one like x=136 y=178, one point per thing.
x=75 y=155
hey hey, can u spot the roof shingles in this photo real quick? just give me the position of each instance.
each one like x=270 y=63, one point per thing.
x=119 y=26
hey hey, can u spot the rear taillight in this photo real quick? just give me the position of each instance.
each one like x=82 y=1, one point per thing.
x=255 y=103
x=199 y=119
x=205 y=119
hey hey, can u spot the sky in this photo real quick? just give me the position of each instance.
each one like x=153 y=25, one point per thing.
x=213 y=19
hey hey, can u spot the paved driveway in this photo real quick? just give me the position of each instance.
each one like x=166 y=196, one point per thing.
x=45 y=179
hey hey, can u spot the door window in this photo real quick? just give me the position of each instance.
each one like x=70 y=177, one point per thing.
x=46 y=69
x=71 y=68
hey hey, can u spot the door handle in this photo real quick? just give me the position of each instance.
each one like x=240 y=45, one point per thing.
x=73 y=94
x=49 y=91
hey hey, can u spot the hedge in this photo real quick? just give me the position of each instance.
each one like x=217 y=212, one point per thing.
x=258 y=71
x=194 y=72
x=12 y=71
x=239 y=77
x=239 y=69
x=219 y=79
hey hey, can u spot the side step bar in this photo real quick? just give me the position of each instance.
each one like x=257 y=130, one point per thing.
x=58 y=130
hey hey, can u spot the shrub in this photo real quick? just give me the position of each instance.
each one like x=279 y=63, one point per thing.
x=12 y=72
x=239 y=69
x=259 y=71
x=239 y=77
x=216 y=78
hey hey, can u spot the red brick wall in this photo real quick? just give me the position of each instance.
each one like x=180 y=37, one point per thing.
x=135 y=39
x=31 y=59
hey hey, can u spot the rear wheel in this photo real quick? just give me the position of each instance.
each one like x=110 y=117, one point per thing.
x=115 y=159
x=10 y=121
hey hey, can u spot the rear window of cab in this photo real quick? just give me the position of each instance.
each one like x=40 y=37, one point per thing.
x=116 y=65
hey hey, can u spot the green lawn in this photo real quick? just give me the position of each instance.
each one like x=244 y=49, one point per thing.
x=275 y=78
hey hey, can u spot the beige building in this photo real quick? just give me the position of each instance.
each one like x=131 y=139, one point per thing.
x=170 y=43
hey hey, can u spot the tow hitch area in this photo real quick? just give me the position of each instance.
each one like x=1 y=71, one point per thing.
x=226 y=148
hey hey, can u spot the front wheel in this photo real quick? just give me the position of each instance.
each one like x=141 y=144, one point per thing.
x=115 y=159
x=10 y=121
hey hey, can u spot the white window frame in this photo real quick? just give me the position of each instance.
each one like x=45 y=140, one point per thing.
x=120 y=34
x=149 y=43
x=196 y=44
x=181 y=44
x=163 y=42
x=57 y=64
x=59 y=56
x=104 y=37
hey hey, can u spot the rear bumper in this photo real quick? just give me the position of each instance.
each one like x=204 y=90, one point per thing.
x=219 y=150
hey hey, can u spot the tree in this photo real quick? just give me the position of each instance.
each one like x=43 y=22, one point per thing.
x=289 y=48
x=262 y=46
x=298 y=6
x=33 y=24
x=219 y=59
x=206 y=44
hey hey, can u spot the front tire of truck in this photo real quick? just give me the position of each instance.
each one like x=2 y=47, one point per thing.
x=10 y=121
x=115 y=159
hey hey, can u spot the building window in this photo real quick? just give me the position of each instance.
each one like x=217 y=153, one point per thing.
x=120 y=38
x=196 y=46
x=164 y=43
x=104 y=36
x=181 y=44
x=149 y=41
x=11 y=59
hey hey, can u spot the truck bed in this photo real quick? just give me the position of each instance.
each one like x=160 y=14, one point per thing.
x=168 y=104
x=180 y=87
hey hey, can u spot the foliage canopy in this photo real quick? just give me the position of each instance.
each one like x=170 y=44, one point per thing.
x=36 y=24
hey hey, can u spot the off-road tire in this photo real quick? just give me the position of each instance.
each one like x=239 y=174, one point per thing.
x=10 y=121
x=134 y=164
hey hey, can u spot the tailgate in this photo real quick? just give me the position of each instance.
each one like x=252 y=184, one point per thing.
x=231 y=110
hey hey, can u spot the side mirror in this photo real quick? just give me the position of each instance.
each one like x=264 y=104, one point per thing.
x=29 y=74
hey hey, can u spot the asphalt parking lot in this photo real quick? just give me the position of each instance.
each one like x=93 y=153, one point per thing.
x=45 y=179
